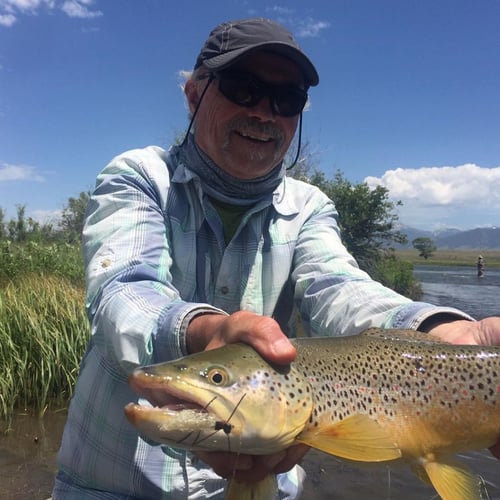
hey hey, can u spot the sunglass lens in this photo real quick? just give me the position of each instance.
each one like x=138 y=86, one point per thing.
x=243 y=90
x=289 y=102
x=239 y=90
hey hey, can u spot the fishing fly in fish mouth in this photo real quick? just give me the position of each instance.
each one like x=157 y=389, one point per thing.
x=378 y=396
x=218 y=425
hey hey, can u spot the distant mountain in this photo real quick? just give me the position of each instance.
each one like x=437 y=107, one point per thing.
x=478 y=238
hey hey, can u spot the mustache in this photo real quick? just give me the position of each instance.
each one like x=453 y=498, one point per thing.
x=252 y=126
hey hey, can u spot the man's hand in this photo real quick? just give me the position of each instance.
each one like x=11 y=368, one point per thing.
x=253 y=467
x=484 y=332
x=209 y=331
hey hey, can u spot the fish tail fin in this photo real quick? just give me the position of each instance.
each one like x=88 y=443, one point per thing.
x=452 y=480
x=267 y=489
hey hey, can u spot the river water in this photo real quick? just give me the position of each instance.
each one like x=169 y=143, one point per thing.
x=461 y=288
x=27 y=454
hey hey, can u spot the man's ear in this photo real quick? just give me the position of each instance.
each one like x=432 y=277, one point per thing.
x=192 y=94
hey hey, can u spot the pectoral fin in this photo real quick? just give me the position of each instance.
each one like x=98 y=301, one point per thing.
x=267 y=489
x=453 y=481
x=355 y=438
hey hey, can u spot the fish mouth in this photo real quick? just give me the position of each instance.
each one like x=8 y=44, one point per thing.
x=163 y=394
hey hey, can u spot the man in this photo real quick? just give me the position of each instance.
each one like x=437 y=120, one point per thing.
x=209 y=244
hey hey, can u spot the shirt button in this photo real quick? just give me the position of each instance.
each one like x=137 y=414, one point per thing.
x=224 y=290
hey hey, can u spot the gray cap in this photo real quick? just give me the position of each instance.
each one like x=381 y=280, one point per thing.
x=231 y=41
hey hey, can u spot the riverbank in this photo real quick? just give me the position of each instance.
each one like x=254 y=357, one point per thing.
x=447 y=257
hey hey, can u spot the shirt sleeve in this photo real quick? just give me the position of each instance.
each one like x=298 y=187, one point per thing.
x=335 y=297
x=137 y=315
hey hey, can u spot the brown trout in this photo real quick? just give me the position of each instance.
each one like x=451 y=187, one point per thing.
x=381 y=395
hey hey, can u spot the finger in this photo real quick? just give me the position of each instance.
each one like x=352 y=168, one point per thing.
x=489 y=331
x=293 y=456
x=277 y=350
x=226 y=464
x=495 y=450
x=266 y=337
x=262 y=466
x=261 y=332
x=269 y=462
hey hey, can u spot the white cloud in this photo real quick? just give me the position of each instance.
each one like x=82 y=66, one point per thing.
x=9 y=172
x=47 y=216
x=10 y=10
x=25 y=5
x=465 y=194
x=302 y=27
x=310 y=28
x=279 y=10
x=79 y=8
x=7 y=20
x=464 y=184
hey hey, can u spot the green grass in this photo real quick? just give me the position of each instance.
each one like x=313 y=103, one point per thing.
x=452 y=257
x=43 y=335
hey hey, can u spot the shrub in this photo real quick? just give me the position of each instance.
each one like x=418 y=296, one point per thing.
x=59 y=259
x=398 y=275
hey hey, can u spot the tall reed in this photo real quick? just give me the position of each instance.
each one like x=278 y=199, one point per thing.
x=43 y=335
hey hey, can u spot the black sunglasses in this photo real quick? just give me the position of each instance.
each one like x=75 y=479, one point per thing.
x=246 y=90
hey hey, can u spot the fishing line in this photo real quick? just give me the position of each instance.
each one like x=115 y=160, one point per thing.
x=222 y=425
x=235 y=408
x=186 y=437
x=209 y=403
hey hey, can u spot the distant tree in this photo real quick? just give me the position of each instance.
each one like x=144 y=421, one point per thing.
x=306 y=164
x=23 y=229
x=73 y=216
x=3 y=231
x=18 y=228
x=425 y=246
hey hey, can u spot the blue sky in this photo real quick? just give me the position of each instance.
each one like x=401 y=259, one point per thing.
x=409 y=95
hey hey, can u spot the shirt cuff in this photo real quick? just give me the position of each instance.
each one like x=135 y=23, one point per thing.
x=416 y=314
x=170 y=341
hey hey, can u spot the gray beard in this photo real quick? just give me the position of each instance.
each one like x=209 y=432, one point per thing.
x=254 y=127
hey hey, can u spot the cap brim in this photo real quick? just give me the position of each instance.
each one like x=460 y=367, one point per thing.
x=226 y=60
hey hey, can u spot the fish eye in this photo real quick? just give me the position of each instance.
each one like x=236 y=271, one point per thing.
x=217 y=376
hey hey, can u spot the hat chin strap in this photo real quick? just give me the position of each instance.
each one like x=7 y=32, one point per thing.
x=298 y=144
x=210 y=80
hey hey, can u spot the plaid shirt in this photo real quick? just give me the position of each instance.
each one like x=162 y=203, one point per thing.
x=155 y=256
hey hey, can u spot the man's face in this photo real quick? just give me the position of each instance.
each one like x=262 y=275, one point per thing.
x=246 y=142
